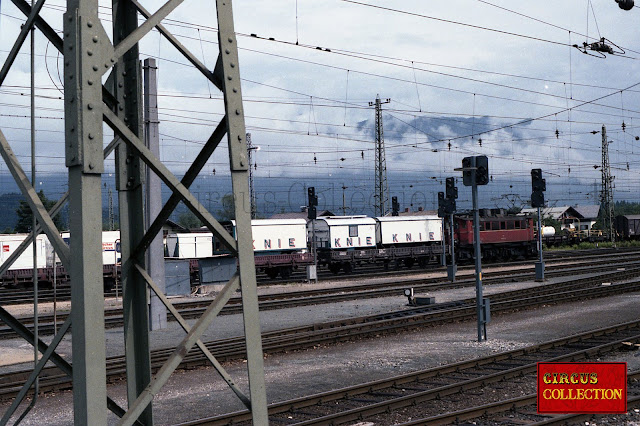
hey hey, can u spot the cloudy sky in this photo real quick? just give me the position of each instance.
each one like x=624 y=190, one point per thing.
x=464 y=77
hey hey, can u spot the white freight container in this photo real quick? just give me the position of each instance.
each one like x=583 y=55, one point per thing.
x=344 y=232
x=110 y=246
x=10 y=242
x=399 y=230
x=193 y=245
x=278 y=235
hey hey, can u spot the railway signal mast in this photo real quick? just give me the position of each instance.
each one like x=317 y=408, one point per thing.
x=447 y=207
x=475 y=171
x=382 y=186
x=538 y=186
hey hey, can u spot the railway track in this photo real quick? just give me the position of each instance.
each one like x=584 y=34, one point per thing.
x=193 y=309
x=352 y=328
x=434 y=391
x=523 y=410
x=9 y=296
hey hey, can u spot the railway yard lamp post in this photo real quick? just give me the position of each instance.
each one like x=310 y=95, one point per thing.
x=538 y=186
x=475 y=171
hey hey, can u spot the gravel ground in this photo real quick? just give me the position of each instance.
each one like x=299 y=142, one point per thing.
x=200 y=392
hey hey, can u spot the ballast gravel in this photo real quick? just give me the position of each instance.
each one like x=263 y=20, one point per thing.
x=198 y=393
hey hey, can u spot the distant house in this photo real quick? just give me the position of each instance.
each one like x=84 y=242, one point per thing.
x=578 y=218
x=420 y=212
x=172 y=227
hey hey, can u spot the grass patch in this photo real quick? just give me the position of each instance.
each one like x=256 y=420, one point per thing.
x=587 y=246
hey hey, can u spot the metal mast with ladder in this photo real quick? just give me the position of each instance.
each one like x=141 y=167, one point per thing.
x=382 y=187
x=606 y=194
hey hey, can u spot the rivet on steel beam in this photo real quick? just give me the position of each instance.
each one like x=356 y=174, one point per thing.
x=89 y=24
x=120 y=107
x=70 y=76
x=112 y=60
x=237 y=112
x=95 y=39
x=90 y=135
x=232 y=65
x=90 y=52
x=95 y=68
x=90 y=82
x=91 y=166
x=90 y=106
x=66 y=64
x=235 y=90
x=230 y=40
x=239 y=137
x=120 y=84
x=241 y=163
x=227 y=51
x=229 y=78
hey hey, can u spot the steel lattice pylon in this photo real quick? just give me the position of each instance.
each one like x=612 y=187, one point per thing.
x=606 y=194
x=88 y=55
x=381 y=194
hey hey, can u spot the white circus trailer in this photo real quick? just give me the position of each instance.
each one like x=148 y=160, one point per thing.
x=400 y=230
x=277 y=235
x=110 y=246
x=193 y=245
x=345 y=232
x=10 y=242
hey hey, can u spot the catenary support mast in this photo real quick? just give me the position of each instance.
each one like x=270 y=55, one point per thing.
x=381 y=195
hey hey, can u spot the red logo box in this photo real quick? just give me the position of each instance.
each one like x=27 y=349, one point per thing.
x=582 y=387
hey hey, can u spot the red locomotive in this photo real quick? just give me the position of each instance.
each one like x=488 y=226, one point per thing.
x=503 y=236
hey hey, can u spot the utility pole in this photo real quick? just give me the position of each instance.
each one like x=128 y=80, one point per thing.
x=252 y=192
x=606 y=194
x=344 y=205
x=382 y=187
x=112 y=226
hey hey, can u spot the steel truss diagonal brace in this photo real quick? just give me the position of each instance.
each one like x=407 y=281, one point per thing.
x=34 y=202
x=169 y=179
x=59 y=362
x=186 y=181
x=219 y=368
x=133 y=38
x=228 y=66
x=21 y=38
x=52 y=213
x=215 y=79
x=40 y=23
x=181 y=351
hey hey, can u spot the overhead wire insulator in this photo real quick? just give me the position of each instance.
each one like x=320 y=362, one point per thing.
x=624 y=127
x=625 y=4
x=557 y=134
